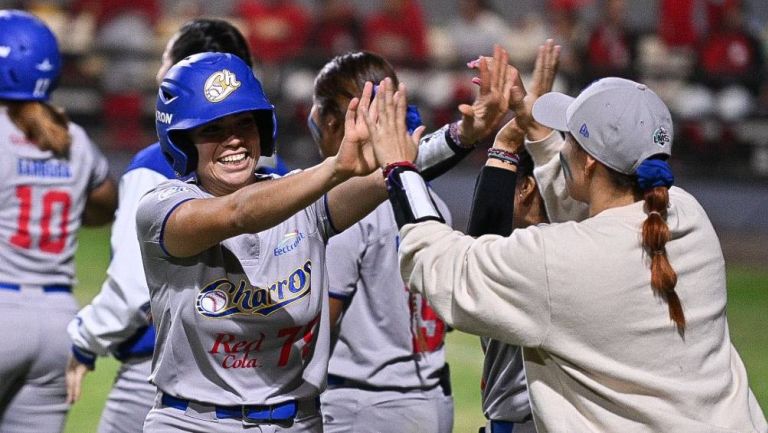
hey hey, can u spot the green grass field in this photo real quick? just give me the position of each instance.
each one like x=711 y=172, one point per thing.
x=747 y=313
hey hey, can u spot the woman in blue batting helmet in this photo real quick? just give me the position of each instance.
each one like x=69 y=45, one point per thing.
x=200 y=89
x=235 y=261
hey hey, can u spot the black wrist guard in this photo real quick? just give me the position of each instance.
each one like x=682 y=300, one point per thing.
x=410 y=197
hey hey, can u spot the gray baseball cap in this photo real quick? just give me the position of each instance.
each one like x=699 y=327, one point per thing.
x=619 y=122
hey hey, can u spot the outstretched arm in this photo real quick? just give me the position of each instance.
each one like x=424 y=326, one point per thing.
x=198 y=224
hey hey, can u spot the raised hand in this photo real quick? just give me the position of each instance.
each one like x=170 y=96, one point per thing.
x=510 y=137
x=544 y=73
x=355 y=156
x=482 y=118
x=385 y=119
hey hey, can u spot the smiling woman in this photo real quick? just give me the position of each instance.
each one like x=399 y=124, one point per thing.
x=228 y=150
x=235 y=261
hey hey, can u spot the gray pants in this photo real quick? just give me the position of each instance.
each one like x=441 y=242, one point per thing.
x=33 y=358
x=365 y=411
x=163 y=419
x=130 y=400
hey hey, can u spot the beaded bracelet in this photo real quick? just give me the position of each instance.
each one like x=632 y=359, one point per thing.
x=504 y=156
x=453 y=132
x=392 y=165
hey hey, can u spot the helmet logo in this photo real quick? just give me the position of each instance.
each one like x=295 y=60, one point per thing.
x=220 y=85
x=4 y=51
x=44 y=66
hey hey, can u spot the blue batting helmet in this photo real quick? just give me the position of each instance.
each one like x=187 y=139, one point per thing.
x=29 y=57
x=200 y=89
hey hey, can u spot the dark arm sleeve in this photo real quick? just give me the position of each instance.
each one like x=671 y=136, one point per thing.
x=493 y=203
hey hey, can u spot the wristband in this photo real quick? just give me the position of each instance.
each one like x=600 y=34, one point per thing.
x=453 y=132
x=409 y=196
x=392 y=165
x=504 y=156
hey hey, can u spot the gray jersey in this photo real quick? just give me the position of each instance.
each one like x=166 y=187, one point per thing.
x=246 y=321
x=388 y=337
x=42 y=199
x=505 y=395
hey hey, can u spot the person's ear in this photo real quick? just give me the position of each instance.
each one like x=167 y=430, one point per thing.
x=590 y=165
x=527 y=189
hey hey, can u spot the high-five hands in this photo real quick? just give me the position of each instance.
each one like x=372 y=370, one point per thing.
x=385 y=119
x=483 y=117
x=355 y=156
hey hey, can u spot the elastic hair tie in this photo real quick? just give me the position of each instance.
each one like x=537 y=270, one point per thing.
x=658 y=253
x=654 y=212
x=653 y=173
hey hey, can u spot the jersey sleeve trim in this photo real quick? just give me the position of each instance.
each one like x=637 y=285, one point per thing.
x=328 y=216
x=339 y=296
x=165 y=220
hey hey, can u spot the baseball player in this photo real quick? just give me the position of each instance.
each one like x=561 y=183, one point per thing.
x=597 y=305
x=387 y=372
x=118 y=319
x=235 y=262
x=54 y=179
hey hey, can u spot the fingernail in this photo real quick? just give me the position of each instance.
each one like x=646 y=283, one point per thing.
x=476 y=80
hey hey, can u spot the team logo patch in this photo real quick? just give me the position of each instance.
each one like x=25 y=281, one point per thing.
x=5 y=51
x=584 y=130
x=213 y=302
x=164 y=194
x=290 y=241
x=223 y=298
x=220 y=85
x=661 y=137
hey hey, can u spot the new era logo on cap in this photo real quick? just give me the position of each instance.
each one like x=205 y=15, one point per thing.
x=584 y=131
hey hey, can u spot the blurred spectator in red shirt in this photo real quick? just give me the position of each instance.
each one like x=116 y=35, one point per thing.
x=677 y=23
x=730 y=54
x=125 y=33
x=612 y=47
x=277 y=30
x=398 y=33
x=337 y=30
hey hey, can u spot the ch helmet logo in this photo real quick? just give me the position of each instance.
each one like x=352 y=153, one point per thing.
x=220 y=85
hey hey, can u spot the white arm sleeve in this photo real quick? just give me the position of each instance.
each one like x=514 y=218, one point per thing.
x=121 y=307
x=491 y=286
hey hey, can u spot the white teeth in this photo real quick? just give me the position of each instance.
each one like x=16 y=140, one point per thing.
x=233 y=158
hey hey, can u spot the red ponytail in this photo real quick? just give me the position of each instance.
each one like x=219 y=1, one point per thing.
x=655 y=235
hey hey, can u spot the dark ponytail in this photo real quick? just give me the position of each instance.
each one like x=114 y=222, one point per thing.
x=42 y=124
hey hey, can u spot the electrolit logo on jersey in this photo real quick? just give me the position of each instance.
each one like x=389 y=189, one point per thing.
x=164 y=194
x=223 y=298
x=220 y=85
x=43 y=168
x=290 y=241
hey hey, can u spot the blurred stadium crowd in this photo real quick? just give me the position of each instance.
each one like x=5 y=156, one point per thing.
x=704 y=57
